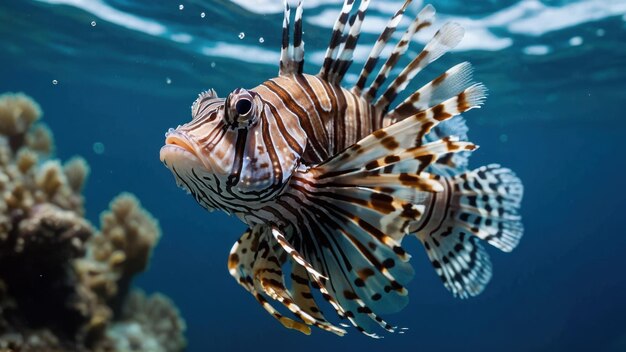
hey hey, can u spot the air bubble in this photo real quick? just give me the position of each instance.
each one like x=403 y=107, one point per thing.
x=181 y=7
x=261 y=40
x=202 y=14
x=575 y=41
x=212 y=64
x=55 y=82
x=168 y=80
x=93 y=23
x=98 y=148
x=242 y=35
x=537 y=50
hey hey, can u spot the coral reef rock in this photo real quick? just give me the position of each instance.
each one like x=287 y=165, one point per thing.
x=64 y=284
x=148 y=324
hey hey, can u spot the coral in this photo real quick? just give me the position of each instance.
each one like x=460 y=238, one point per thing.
x=31 y=341
x=17 y=113
x=148 y=324
x=128 y=235
x=40 y=139
x=76 y=171
x=64 y=285
x=121 y=250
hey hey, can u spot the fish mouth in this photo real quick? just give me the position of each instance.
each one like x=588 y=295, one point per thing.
x=178 y=148
x=179 y=141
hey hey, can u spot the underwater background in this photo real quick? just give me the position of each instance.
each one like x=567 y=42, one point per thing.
x=113 y=75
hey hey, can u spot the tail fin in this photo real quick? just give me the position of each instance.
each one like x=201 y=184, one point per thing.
x=480 y=204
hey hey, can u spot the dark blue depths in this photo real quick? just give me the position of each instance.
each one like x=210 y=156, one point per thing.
x=556 y=119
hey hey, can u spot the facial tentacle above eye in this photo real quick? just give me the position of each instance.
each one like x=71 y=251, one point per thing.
x=203 y=97
x=242 y=109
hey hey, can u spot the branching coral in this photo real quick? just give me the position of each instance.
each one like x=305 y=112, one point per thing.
x=64 y=284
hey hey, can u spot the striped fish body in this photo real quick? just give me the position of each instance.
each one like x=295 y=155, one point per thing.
x=330 y=180
x=332 y=117
x=298 y=120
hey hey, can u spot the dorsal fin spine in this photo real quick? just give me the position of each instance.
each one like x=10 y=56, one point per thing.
x=344 y=58
x=380 y=44
x=422 y=20
x=285 y=58
x=292 y=54
x=446 y=39
x=335 y=39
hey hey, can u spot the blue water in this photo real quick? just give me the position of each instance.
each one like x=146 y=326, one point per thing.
x=556 y=71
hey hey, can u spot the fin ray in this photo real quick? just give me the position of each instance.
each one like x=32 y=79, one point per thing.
x=448 y=84
x=446 y=38
x=405 y=133
x=378 y=47
x=422 y=20
x=291 y=54
x=344 y=58
x=335 y=39
x=254 y=262
x=481 y=204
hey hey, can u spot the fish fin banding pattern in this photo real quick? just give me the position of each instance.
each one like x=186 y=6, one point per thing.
x=348 y=250
x=446 y=85
x=423 y=20
x=460 y=260
x=332 y=50
x=417 y=159
x=291 y=54
x=403 y=135
x=487 y=202
x=256 y=262
x=378 y=47
x=482 y=204
x=450 y=164
x=350 y=222
x=446 y=38
x=343 y=60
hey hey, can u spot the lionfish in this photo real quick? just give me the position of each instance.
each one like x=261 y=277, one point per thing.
x=330 y=180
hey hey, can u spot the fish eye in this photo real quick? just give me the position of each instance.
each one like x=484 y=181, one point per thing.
x=243 y=106
x=240 y=107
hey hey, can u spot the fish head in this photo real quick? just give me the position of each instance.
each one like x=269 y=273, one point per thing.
x=232 y=152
